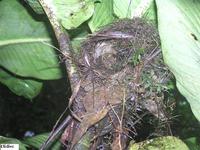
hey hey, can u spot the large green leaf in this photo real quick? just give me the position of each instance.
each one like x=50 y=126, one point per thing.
x=23 y=43
x=179 y=28
x=161 y=143
x=20 y=86
x=125 y=8
x=38 y=140
x=134 y=8
x=102 y=16
x=4 y=140
x=72 y=13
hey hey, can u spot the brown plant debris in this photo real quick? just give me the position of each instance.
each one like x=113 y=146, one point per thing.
x=122 y=73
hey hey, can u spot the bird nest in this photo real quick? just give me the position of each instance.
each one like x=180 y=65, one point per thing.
x=122 y=73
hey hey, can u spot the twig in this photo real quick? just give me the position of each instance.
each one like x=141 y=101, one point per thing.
x=118 y=138
x=64 y=43
x=67 y=51
x=55 y=133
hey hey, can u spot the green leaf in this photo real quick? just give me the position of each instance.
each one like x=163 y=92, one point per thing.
x=38 y=140
x=151 y=13
x=125 y=8
x=22 y=87
x=134 y=8
x=192 y=143
x=72 y=13
x=161 y=143
x=102 y=16
x=24 y=44
x=179 y=32
x=35 y=5
x=4 y=140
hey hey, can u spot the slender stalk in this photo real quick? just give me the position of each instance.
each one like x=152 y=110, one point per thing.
x=66 y=49
x=64 y=43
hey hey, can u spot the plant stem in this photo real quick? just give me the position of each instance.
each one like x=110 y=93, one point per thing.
x=64 y=43
x=67 y=50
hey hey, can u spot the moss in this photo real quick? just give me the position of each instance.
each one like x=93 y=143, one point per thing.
x=162 y=143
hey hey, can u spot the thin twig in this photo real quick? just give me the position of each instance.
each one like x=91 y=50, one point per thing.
x=120 y=120
x=55 y=133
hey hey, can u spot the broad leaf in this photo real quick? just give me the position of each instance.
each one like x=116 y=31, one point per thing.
x=38 y=140
x=134 y=8
x=161 y=143
x=179 y=26
x=102 y=16
x=72 y=13
x=125 y=8
x=24 y=44
x=20 y=86
x=4 y=140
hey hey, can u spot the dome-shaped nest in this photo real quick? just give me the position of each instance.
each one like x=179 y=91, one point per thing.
x=121 y=66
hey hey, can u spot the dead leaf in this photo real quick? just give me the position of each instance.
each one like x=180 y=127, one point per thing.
x=87 y=121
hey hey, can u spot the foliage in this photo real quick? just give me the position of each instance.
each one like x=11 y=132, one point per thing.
x=38 y=140
x=4 y=140
x=27 y=55
x=22 y=87
x=179 y=32
x=103 y=15
x=34 y=142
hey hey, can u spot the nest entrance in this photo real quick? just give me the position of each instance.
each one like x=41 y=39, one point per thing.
x=122 y=72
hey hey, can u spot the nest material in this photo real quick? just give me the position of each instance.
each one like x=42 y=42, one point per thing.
x=111 y=49
x=126 y=54
x=122 y=65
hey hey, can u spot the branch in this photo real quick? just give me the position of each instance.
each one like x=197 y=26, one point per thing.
x=67 y=50
x=64 y=43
